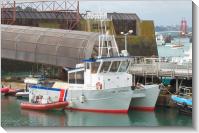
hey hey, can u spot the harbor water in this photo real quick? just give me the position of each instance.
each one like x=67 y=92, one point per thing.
x=13 y=116
x=167 y=51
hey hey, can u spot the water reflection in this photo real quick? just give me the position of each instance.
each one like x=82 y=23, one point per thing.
x=141 y=118
x=76 y=118
x=172 y=117
x=47 y=118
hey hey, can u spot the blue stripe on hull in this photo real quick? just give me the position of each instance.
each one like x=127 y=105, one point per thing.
x=45 y=88
x=65 y=95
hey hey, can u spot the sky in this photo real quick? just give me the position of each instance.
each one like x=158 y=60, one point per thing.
x=163 y=12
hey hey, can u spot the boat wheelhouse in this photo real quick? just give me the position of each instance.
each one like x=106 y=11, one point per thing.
x=102 y=73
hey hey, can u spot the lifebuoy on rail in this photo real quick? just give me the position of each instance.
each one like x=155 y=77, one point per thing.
x=98 y=86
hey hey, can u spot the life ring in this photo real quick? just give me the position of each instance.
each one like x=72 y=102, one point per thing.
x=98 y=86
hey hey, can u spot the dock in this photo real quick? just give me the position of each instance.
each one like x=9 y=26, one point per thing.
x=157 y=67
x=160 y=68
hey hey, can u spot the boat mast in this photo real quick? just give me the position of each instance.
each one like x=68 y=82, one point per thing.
x=105 y=37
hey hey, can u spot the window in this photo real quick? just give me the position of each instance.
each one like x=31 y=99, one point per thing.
x=80 y=77
x=123 y=67
x=94 y=67
x=76 y=77
x=72 y=78
x=114 y=66
x=105 y=66
x=87 y=65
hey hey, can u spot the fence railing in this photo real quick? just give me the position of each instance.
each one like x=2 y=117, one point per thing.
x=159 y=67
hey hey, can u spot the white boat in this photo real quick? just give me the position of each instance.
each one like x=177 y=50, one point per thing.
x=177 y=46
x=22 y=94
x=148 y=102
x=29 y=81
x=160 y=40
x=101 y=85
x=106 y=88
x=187 y=58
x=174 y=45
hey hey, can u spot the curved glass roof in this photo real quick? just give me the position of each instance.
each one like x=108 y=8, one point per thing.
x=48 y=46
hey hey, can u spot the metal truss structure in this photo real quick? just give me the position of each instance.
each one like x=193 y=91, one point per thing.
x=8 y=8
x=67 y=9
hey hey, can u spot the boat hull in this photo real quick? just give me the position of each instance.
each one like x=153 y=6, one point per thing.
x=44 y=106
x=5 y=90
x=148 y=102
x=115 y=100
x=22 y=94
x=182 y=100
x=184 y=104
x=12 y=92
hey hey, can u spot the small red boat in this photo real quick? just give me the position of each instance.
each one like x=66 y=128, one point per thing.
x=12 y=92
x=48 y=106
x=5 y=90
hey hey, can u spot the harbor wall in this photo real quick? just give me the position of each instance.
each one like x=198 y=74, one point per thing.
x=140 y=43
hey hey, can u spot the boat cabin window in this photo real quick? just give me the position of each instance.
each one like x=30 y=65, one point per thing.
x=105 y=67
x=80 y=77
x=114 y=66
x=72 y=78
x=87 y=65
x=76 y=77
x=123 y=67
x=94 y=67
